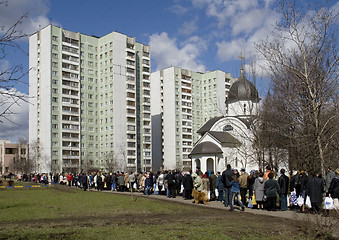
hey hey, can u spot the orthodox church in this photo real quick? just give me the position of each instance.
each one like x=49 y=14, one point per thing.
x=229 y=139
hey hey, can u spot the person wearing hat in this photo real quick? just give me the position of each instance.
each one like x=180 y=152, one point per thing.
x=243 y=185
x=205 y=183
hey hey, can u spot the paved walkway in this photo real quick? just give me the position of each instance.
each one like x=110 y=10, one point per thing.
x=220 y=206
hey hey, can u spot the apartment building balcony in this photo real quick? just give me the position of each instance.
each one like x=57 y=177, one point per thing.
x=71 y=62
x=186 y=92
x=186 y=98
x=73 y=54
x=70 y=138
x=71 y=129
x=186 y=81
x=69 y=112
x=69 y=148
x=128 y=65
x=66 y=58
x=130 y=50
x=68 y=121
x=129 y=73
x=70 y=70
x=73 y=44
x=130 y=113
x=146 y=75
x=130 y=57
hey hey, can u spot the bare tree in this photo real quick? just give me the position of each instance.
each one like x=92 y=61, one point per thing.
x=37 y=159
x=10 y=76
x=110 y=162
x=302 y=61
x=22 y=163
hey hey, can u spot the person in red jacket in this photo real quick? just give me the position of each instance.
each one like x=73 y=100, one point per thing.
x=69 y=179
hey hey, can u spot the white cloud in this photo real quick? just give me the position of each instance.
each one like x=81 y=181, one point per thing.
x=178 y=9
x=4 y=66
x=231 y=49
x=167 y=53
x=36 y=12
x=188 y=28
x=16 y=124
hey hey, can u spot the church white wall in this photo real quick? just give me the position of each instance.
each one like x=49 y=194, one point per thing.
x=242 y=108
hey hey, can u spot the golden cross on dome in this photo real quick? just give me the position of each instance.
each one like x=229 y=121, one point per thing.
x=242 y=60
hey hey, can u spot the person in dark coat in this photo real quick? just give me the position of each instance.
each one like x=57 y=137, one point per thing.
x=226 y=179
x=303 y=183
x=295 y=183
x=329 y=176
x=213 y=179
x=271 y=190
x=188 y=186
x=178 y=181
x=283 y=184
x=315 y=190
x=171 y=184
x=220 y=187
x=333 y=190
x=84 y=182
x=250 y=183
x=148 y=184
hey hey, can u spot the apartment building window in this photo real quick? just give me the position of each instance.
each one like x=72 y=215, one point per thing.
x=54 y=55
x=90 y=55
x=55 y=47
x=54 y=64
x=55 y=38
x=90 y=47
x=55 y=81
x=54 y=99
x=55 y=126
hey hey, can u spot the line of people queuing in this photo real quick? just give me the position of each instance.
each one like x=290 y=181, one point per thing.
x=256 y=189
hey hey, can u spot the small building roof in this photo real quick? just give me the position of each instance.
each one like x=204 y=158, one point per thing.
x=225 y=139
x=205 y=148
x=207 y=126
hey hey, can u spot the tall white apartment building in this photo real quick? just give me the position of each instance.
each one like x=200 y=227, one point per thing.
x=90 y=101
x=183 y=101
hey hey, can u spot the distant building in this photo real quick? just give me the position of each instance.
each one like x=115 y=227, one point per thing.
x=182 y=101
x=13 y=157
x=90 y=101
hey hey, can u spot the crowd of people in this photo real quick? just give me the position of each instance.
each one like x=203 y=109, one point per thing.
x=256 y=189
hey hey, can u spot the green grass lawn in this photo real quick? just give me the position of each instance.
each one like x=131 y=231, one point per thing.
x=61 y=213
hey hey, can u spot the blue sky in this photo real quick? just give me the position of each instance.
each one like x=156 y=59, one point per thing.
x=200 y=35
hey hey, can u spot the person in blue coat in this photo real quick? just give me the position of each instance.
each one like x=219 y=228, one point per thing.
x=235 y=189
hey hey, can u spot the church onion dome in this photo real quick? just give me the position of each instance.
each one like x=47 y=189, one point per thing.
x=206 y=148
x=242 y=89
x=207 y=126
